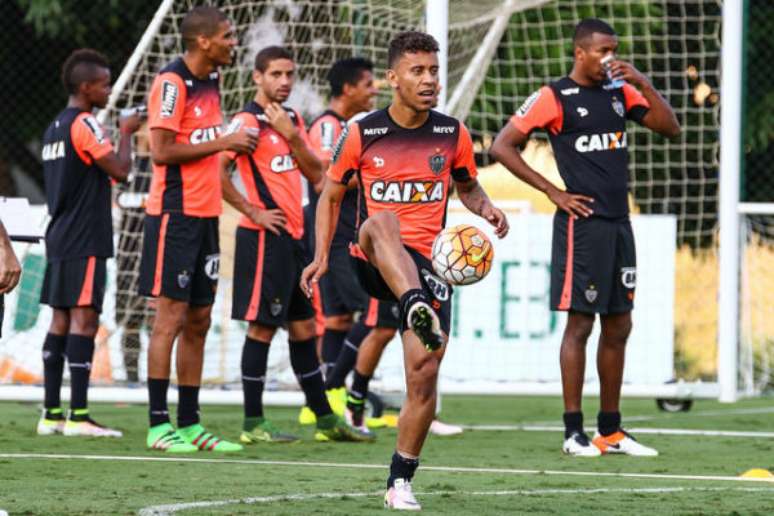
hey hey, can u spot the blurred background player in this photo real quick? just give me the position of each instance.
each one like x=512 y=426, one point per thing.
x=78 y=163
x=345 y=304
x=405 y=157
x=10 y=270
x=132 y=310
x=593 y=266
x=269 y=254
x=180 y=256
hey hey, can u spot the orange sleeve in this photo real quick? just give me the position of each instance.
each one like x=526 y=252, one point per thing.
x=322 y=136
x=464 y=166
x=89 y=139
x=541 y=110
x=346 y=155
x=240 y=122
x=636 y=104
x=166 y=102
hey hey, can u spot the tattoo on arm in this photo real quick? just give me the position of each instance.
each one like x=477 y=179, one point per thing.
x=472 y=195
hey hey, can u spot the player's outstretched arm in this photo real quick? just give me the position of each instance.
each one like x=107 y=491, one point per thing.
x=505 y=149
x=326 y=218
x=165 y=150
x=118 y=164
x=660 y=117
x=476 y=200
x=273 y=220
x=308 y=162
x=10 y=270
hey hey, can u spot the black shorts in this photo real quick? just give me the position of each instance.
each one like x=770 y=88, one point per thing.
x=593 y=265
x=438 y=291
x=382 y=314
x=180 y=258
x=340 y=290
x=267 y=275
x=79 y=282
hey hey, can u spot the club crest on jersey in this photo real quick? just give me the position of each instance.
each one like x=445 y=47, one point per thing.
x=183 y=279
x=618 y=107
x=591 y=293
x=439 y=288
x=276 y=307
x=437 y=162
x=600 y=142
x=407 y=191
x=168 y=98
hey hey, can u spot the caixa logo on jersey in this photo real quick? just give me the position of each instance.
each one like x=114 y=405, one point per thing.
x=283 y=163
x=204 y=134
x=437 y=286
x=407 y=191
x=600 y=142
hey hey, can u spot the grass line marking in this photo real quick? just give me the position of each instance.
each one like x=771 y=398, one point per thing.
x=655 y=431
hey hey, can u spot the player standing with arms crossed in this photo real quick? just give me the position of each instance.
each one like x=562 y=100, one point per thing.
x=269 y=254
x=78 y=163
x=593 y=263
x=405 y=157
x=180 y=256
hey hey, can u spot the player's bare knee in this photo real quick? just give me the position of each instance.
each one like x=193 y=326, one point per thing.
x=341 y=322
x=60 y=323
x=84 y=321
x=302 y=330
x=260 y=332
x=382 y=226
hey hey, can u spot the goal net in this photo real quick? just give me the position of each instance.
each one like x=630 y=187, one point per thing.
x=500 y=51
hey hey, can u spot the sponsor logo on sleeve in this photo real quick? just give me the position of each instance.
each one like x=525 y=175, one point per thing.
x=339 y=145
x=326 y=136
x=524 y=109
x=234 y=126
x=95 y=128
x=169 y=95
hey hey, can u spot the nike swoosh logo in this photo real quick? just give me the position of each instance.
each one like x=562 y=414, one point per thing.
x=480 y=256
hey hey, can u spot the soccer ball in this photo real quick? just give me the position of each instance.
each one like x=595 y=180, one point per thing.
x=462 y=254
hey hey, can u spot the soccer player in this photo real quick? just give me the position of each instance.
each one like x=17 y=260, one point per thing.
x=593 y=267
x=78 y=164
x=10 y=270
x=404 y=157
x=352 y=92
x=269 y=254
x=180 y=255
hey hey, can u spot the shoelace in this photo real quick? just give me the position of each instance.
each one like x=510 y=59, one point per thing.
x=582 y=439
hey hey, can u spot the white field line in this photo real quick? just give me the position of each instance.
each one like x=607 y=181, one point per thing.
x=446 y=469
x=655 y=431
x=690 y=414
x=164 y=510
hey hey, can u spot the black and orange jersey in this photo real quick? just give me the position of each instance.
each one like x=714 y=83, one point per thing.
x=324 y=132
x=270 y=174
x=406 y=171
x=189 y=106
x=77 y=190
x=587 y=130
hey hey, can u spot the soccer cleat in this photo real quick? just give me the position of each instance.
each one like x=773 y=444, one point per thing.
x=265 y=432
x=376 y=422
x=622 y=442
x=444 y=429
x=578 y=445
x=165 y=438
x=354 y=416
x=424 y=322
x=205 y=441
x=334 y=428
x=400 y=497
x=88 y=428
x=306 y=416
x=50 y=426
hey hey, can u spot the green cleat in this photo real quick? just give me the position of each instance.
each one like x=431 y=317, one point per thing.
x=165 y=438
x=337 y=399
x=306 y=416
x=334 y=428
x=205 y=441
x=262 y=430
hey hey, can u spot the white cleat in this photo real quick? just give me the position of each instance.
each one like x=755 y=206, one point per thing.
x=89 y=428
x=623 y=442
x=400 y=497
x=50 y=426
x=351 y=422
x=578 y=445
x=444 y=429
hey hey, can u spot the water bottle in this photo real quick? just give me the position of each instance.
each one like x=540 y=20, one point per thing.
x=142 y=111
x=612 y=83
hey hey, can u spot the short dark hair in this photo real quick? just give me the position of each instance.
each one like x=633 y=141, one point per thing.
x=269 y=54
x=200 y=21
x=410 y=42
x=586 y=28
x=347 y=71
x=81 y=66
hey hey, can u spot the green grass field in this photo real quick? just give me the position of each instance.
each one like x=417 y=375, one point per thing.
x=480 y=472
